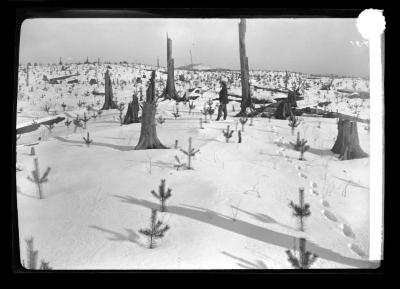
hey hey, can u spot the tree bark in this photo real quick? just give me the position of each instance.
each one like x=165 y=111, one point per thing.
x=244 y=70
x=132 y=114
x=347 y=144
x=108 y=99
x=170 y=92
x=148 y=133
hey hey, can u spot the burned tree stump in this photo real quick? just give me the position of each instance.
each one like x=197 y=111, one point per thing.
x=170 y=91
x=132 y=114
x=108 y=100
x=283 y=110
x=347 y=144
x=148 y=134
x=244 y=70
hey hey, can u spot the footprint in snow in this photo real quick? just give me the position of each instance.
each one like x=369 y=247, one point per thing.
x=329 y=215
x=356 y=249
x=347 y=231
x=325 y=204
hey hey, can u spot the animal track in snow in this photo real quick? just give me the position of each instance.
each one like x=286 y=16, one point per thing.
x=356 y=249
x=347 y=231
x=329 y=215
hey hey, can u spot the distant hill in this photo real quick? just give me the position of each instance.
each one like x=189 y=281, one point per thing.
x=201 y=67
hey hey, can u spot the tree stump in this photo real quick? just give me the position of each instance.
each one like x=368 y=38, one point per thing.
x=170 y=91
x=108 y=100
x=347 y=144
x=148 y=134
x=283 y=110
x=132 y=114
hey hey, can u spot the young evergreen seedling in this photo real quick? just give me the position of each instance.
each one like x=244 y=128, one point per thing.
x=305 y=259
x=191 y=152
x=37 y=179
x=179 y=164
x=239 y=136
x=162 y=195
x=201 y=123
x=32 y=257
x=293 y=122
x=227 y=133
x=156 y=230
x=301 y=210
x=191 y=107
x=87 y=139
x=68 y=122
x=243 y=121
x=176 y=113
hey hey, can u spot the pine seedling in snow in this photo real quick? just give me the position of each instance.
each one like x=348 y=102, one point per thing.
x=87 y=139
x=63 y=105
x=162 y=195
x=205 y=113
x=297 y=145
x=227 y=133
x=36 y=177
x=293 y=122
x=176 y=113
x=301 y=210
x=191 y=107
x=160 y=119
x=68 y=122
x=243 y=121
x=210 y=109
x=32 y=151
x=305 y=259
x=77 y=123
x=156 y=230
x=32 y=256
x=191 y=152
x=251 y=122
x=179 y=164
x=239 y=136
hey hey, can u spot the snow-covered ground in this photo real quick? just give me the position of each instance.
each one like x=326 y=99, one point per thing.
x=230 y=212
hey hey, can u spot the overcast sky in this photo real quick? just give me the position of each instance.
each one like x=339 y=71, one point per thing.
x=304 y=45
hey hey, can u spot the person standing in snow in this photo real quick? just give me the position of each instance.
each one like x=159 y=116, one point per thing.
x=223 y=101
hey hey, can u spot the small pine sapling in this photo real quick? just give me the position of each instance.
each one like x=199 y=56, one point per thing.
x=301 y=210
x=191 y=107
x=205 y=113
x=162 y=195
x=179 y=164
x=305 y=259
x=37 y=179
x=191 y=152
x=233 y=108
x=87 y=139
x=297 y=145
x=239 y=136
x=63 y=105
x=32 y=256
x=210 y=109
x=176 y=113
x=85 y=119
x=156 y=230
x=99 y=113
x=301 y=146
x=293 y=122
x=68 y=122
x=227 y=133
x=77 y=123
x=32 y=151
x=243 y=121
x=94 y=116
x=201 y=123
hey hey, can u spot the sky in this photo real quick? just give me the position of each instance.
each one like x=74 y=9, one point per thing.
x=320 y=46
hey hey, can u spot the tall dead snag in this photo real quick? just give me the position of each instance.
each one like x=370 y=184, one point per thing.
x=347 y=144
x=148 y=134
x=132 y=114
x=108 y=100
x=244 y=70
x=170 y=92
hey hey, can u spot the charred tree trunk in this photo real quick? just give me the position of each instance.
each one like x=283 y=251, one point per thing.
x=244 y=70
x=132 y=114
x=108 y=100
x=148 y=134
x=170 y=92
x=347 y=144
x=283 y=110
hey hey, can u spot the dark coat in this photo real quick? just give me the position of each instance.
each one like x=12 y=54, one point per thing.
x=223 y=95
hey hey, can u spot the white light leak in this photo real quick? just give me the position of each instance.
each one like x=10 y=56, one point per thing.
x=371 y=24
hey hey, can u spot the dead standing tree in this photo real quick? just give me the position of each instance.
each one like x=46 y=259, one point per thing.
x=170 y=91
x=347 y=144
x=244 y=70
x=148 y=134
x=132 y=114
x=108 y=100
